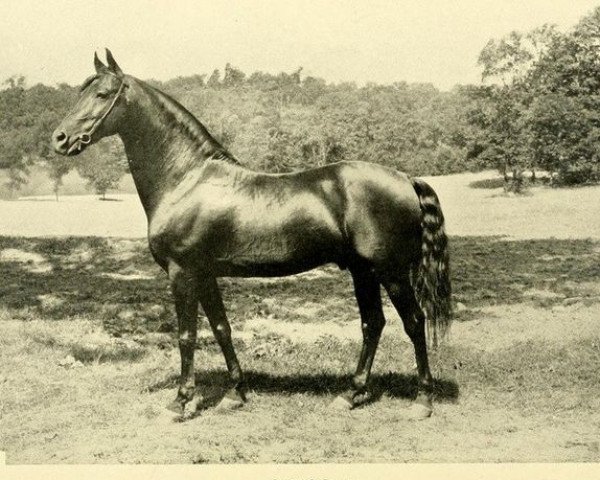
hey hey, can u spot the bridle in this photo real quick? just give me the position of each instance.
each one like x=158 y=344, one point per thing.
x=86 y=138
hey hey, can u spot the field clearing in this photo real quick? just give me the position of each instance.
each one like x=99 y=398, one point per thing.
x=90 y=360
x=542 y=213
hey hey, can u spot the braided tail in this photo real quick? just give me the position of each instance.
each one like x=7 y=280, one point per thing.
x=431 y=277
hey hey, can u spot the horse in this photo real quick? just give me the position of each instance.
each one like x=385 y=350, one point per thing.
x=209 y=216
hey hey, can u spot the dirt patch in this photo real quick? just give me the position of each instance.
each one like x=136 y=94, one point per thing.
x=502 y=326
x=30 y=261
x=303 y=332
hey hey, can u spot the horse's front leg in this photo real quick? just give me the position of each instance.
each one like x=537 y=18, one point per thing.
x=184 y=285
x=212 y=303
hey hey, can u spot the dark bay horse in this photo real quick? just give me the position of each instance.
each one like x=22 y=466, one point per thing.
x=208 y=216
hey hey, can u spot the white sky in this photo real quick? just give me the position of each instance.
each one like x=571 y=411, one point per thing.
x=435 y=41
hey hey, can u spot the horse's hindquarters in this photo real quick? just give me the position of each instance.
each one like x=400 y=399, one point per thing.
x=383 y=217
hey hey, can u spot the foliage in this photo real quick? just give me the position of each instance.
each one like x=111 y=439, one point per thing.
x=543 y=110
x=28 y=117
x=540 y=111
x=276 y=123
x=102 y=165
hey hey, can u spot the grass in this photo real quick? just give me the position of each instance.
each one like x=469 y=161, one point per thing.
x=112 y=411
x=89 y=361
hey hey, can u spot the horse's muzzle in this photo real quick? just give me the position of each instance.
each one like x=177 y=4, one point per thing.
x=65 y=146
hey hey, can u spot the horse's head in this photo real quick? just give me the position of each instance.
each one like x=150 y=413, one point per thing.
x=97 y=112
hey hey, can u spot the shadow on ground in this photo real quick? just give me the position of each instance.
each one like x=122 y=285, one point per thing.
x=213 y=385
x=488 y=183
x=115 y=282
x=498 y=182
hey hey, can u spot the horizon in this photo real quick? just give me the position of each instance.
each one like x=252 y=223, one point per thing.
x=380 y=42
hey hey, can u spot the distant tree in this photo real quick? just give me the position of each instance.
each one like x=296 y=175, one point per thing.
x=16 y=140
x=233 y=76
x=214 y=80
x=103 y=166
x=28 y=118
x=504 y=141
x=58 y=167
x=547 y=112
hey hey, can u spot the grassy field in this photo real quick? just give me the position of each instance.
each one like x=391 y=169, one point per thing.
x=89 y=359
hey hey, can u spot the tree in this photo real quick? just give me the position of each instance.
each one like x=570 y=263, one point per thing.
x=545 y=115
x=16 y=140
x=28 y=118
x=58 y=167
x=233 y=76
x=214 y=80
x=102 y=165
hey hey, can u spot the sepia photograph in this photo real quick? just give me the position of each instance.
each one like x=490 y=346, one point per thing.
x=300 y=233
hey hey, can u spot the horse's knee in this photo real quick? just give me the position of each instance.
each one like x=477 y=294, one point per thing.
x=373 y=327
x=222 y=330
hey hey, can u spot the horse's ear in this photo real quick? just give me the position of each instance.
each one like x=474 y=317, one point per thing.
x=100 y=67
x=112 y=64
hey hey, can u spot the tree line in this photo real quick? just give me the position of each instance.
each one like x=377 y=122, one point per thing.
x=536 y=109
x=543 y=109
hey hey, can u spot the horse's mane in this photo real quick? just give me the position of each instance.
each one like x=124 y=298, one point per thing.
x=176 y=114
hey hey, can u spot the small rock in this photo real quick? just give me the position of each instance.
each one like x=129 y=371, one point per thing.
x=70 y=362
x=67 y=361
x=199 y=459
x=126 y=315
x=49 y=301
x=572 y=301
x=460 y=307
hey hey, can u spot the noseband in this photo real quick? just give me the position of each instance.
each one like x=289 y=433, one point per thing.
x=86 y=138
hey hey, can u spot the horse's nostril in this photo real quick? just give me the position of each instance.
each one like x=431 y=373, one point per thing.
x=85 y=138
x=60 y=141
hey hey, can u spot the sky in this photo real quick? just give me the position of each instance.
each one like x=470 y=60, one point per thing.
x=433 y=41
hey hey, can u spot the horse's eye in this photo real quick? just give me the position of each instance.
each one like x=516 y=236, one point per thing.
x=102 y=94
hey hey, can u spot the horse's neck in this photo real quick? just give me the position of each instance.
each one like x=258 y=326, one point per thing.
x=163 y=143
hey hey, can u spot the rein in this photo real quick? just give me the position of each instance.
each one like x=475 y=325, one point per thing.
x=86 y=138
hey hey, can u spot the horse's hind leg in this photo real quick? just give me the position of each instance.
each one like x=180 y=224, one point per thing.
x=368 y=296
x=212 y=303
x=402 y=295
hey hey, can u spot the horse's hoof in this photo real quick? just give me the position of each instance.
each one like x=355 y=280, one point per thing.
x=342 y=403
x=227 y=404
x=417 y=411
x=231 y=401
x=176 y=407
x=190 y=408
x=360 y=399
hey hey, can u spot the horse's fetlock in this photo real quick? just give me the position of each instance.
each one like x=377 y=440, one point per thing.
x=185 y=394
x=359 y=382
